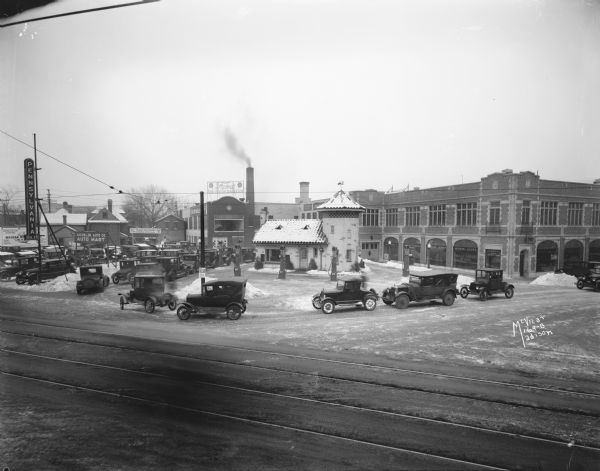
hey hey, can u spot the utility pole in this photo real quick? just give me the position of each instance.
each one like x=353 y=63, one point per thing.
x=202 y=254
x=37 y=206
x=49 y=207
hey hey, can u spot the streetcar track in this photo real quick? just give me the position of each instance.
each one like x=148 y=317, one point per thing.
x=255 y=422
x=365 y=366
x=303 y=399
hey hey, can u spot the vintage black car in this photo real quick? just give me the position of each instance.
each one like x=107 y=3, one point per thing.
x=191 y=261
x=591 y=279
x=92 y=279
x=49 y=269
x=487 y=282
x=12 y=263
x=422 y=286
x=577 y=268
x=216 y=297
x=125 y=271
x=148 y=290
x=348 y=292
x=172 y=267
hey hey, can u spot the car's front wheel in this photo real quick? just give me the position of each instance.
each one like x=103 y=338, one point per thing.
x=328 y=307
x=149 y=306
x=509 y=293
x=116 y=279
x=448 y=299
x=105 y=281
x=316 y=302
x=402 y=301
x=234 y=312
x=579 y=284
x=370 y=303
x=184 y=312
x=464 y=292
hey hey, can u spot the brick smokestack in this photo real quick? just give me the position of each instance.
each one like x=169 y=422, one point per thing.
x=250 y=218
x=250 y=189
x=110 y=206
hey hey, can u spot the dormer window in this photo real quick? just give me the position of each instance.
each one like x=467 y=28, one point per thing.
x=279 y=227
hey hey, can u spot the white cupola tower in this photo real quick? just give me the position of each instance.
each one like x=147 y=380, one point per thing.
x=340 y=218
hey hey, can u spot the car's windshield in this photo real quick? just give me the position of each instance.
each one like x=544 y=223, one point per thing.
x=416 y=280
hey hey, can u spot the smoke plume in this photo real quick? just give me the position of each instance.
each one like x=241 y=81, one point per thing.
x=235 y=148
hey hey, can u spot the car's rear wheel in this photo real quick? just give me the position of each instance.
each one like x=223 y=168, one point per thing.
x=464 y=292
x=402 y=301
x=448 y=299
x=116 y=279
x=122 y=302
x=509 y=293
x=316 y=302
x=20 y=280
x=149 y=306
x=172 y=304
x=328 y=307
x=79 y=291
x=370 y=303
x=387 y=301
x=483 y=295
x=580 y=284
x=234 y=312
x=105 y=281
x=184 y=312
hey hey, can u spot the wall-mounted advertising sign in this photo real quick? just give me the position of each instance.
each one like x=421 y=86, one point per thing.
x=216 y=190
x=91 y=237
x=145 y=230
x=30 y=203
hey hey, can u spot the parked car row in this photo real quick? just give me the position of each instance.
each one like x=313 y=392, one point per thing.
x=421 y=286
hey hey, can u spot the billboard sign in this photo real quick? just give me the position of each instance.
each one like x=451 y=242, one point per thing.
x=91 y=237
x=30 y=203
x=146 y=230
x=216 y=190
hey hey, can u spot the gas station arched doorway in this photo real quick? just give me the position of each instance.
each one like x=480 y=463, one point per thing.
x=546 y=256
x=390 y=248
x=413 y=245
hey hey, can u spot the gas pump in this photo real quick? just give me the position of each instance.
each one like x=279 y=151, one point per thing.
x=237 y=269
x=334 y=261
x=281 y=274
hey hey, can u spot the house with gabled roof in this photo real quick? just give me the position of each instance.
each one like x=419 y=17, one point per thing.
x=110 y=221
x=299 y=240
x=333 y=233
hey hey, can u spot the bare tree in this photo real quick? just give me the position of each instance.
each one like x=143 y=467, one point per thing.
x=8 y=202
x=144 y=206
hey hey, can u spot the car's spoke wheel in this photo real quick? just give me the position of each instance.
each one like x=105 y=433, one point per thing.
x=184 y=312
x=509 y=292
x=448 y=299
x=234 y=312
x=105 y=281
x=483 y=295
x=464 y=292
x=316 y=302
x=387 y=302
x=370 y=303
x=149 y=306
x=328 y=307
x=115 y=279
x=172 y=304
x=579 y=284
x=122 y=302
x=402 y=301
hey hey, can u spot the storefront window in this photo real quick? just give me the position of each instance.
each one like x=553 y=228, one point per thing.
x=465 y=254
x=493 y=258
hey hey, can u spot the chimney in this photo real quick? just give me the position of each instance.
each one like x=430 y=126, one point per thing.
x=64 y=219
x=304 y=195
x=250 y=188
x=110 y=206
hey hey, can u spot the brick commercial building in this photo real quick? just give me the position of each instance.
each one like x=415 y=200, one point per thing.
x=514 y=221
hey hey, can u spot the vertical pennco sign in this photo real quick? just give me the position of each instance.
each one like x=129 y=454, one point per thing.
x=30 y=203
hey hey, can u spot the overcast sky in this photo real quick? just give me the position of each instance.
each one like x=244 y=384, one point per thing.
x=378 y=94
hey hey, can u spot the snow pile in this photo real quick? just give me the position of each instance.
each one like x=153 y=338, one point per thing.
x=66 y=282
x=555 y=279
